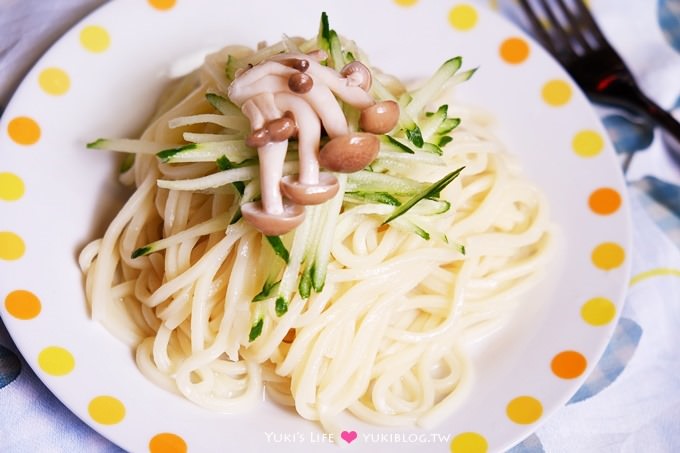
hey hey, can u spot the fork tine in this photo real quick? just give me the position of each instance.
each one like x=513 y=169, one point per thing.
x=574 y=26
x=536 y=25
x=557 y=26
x=584 y=13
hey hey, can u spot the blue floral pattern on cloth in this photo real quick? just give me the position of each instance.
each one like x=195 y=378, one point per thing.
x=668 y=16
x=614 y=360
x=629 y=135
x=10 y=366
x=531 y=444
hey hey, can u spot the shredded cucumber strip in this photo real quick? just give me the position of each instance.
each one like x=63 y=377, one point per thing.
x=221 y=178
x=238 y=122
x=367 y=181
x=235 y=150
x=426 y=158
x=323 y=252
x=127 y=145
x=433 y=86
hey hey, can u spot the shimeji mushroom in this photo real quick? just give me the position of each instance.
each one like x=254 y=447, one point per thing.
x=292 y=94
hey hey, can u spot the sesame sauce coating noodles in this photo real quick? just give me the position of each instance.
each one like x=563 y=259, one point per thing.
x=367 y=304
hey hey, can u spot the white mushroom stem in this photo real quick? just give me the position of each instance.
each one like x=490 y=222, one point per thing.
x=271 y=158
x=267 y=105
x=253 y=113
x=327 y=108
x=309 y=131
x=267 y=68
x=240 y=93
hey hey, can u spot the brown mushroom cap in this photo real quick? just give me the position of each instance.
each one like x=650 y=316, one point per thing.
x=258 y=138
x=273 y=224
x=349 y=153
x=310 y=194
x=364 y=74
x=380 y=118
x=281 y=129
x=300 y=82
x=299 y=64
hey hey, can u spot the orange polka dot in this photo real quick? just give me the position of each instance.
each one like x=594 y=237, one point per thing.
x=514 y=50
x=524 y=410
x=604 y=201
x=167 y=443
x=162 y=4
x=23 y=130
x=22 y=304
x=106 y=410
x=568 y=364
x=608 y=256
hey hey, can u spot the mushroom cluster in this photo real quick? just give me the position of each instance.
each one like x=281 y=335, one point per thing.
x=291 y=96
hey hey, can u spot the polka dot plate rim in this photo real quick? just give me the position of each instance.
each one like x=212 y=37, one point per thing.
x=101 y=78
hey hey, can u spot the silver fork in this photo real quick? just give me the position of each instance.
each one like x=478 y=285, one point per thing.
x=571 y=35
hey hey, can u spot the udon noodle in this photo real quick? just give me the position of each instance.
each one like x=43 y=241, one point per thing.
x=385 y=338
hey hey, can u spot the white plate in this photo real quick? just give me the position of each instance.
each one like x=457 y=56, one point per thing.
x=56 y=196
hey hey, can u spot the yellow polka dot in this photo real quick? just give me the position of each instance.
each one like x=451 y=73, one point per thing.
x=11 y=187
x=56 y=361
x=524 y=410
x=469 y=443
x=106 y=410
x=598 y=311
x=463 y=17
x=556 y=92
x=95 y=38
x=23 y=130
x=162 y=4
x=167 y=443
x=608 y=256
x=23 y=304
x=12 y=247
x=587 y=143
x=54 y=81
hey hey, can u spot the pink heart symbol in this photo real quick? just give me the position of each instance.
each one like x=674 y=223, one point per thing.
x=348 y=436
